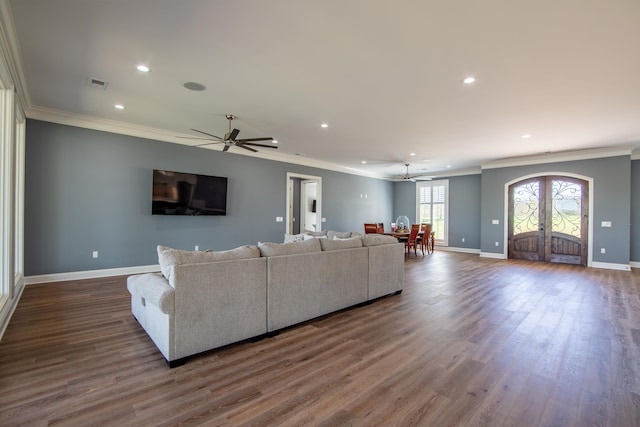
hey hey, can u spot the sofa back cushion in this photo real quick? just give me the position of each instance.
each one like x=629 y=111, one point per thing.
x=292 y=248
x=337 y=244
x=377 y=239
x=168 y=257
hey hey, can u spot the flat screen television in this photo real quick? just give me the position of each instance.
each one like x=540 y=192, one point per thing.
x=178 y=193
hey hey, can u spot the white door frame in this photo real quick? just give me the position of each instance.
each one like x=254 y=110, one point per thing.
x=289 y=201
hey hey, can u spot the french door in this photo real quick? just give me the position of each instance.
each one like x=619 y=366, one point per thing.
x=549 y=219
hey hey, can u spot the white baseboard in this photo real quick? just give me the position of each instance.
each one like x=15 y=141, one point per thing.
x=611 y=266
x=634 y=264
x=90 y=274
x=454 y=249
x=492 y=255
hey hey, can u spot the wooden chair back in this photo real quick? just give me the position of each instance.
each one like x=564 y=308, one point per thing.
x=370 y=228
x=412 y=241
x=425 y=239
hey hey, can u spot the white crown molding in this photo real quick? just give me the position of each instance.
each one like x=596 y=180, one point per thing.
x=635 y=155
x=122 y=128
x=565 y=156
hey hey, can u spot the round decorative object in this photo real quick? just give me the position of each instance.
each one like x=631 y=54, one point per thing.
x=402 y=223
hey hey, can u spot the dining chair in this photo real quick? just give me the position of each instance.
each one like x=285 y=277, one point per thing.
x=370 y=228
x=424 y=239
x=381 y=227
x=412 y=241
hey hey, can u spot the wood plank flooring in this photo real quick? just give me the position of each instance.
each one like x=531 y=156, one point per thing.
x=470 y=342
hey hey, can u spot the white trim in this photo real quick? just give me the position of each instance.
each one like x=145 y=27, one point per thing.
x=611 y=266
x=7 y=311
x=444 y=241
x=90 y=274
x=113 y=126
x=566 y=156
x=538 y=174
x=318 y=179
x=454 y=249
x=492 y=255
x=634 y=264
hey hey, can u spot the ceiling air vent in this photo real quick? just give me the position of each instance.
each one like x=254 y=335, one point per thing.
x=97 y=83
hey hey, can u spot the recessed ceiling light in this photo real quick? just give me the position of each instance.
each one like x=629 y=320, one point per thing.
x=526 y=135
x=364 y=162
x=412 y=154
x=448 y=166
x=195 y=86
x=143 y=68
x=469 y=80
x=119 y=107
x=324 y=125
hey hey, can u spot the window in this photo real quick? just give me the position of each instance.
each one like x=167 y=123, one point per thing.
x=433 y=207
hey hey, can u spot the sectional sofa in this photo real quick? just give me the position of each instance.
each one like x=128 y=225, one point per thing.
x=204 y=300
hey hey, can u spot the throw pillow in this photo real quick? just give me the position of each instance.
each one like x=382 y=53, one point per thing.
x=288 y=238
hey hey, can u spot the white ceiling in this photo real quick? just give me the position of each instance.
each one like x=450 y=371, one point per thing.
x=385 y=75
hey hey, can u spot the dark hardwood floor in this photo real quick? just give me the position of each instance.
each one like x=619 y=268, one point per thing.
x=469 y=342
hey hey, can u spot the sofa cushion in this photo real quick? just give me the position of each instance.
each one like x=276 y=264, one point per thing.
x=377 y=239
x=153 y=288
x=274 y=249
x=168 y=257
x=337 y=244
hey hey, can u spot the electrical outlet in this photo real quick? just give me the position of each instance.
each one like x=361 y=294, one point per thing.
x=197 y=248
x=95 y=254
x=603 y=251
x=279 y=219
x=463 y=240
x=495 y=222
x=497 y=244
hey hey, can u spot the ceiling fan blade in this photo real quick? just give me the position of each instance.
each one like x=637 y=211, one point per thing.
x=196 y=137
x=423 y=178
x=196 y=130
x=226 y=147
x=208 y=143
x=256 y=139
x=246 y=148
x=233 y=134
x=257 y=145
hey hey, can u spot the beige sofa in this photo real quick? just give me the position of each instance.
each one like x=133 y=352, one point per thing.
x=205 y=300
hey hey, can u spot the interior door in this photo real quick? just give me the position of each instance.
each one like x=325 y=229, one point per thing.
x=548 y=219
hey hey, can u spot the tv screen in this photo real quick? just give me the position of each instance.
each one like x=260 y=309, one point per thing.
x=178 y=193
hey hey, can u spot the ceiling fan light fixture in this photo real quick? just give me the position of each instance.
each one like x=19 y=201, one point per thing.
x=143 y=68
x=324 y=125
x=194 y=86
x=469 y=80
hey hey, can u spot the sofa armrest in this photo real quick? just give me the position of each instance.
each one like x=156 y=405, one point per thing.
x=153 y=288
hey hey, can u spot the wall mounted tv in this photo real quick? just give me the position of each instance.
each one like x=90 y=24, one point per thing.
x=177 y=193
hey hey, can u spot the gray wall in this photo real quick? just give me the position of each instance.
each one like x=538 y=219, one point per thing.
x=612 y=189
x=464 y=208
x=635 y=211
x=87 y=191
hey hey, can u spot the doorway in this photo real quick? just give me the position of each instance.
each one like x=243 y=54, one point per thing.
x=304 y=197
x=549 y=219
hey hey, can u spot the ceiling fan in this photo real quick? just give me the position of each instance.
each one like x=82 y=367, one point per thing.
x=230 y=140
x=414 y=178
